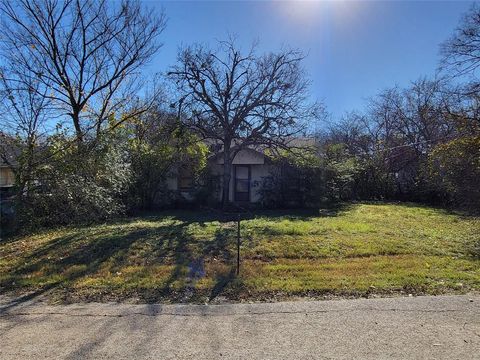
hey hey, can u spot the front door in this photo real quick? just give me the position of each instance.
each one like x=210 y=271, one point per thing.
x=242 y=183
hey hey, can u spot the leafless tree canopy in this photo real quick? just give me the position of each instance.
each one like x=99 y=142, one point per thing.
x=401 y=127
x=242 y=99
x=249 y=99
x=24 y=107
x=461 y=53
x=82 y=55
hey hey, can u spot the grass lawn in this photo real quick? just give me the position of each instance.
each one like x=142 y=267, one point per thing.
x=358 y=250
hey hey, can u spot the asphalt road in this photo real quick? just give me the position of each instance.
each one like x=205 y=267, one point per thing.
x=443 y=327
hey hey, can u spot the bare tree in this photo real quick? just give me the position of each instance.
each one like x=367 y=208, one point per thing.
x=461 y=60
x=25 y=111
x=461 y=53
x=241 y=100
x=83 y=55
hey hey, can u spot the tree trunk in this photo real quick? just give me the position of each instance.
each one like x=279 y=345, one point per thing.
x=76 y=123
x=227 y=169
x=26 y=187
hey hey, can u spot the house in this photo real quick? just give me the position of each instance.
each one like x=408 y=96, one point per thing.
x=7 y=177
x=250 y=167
x=7 y=182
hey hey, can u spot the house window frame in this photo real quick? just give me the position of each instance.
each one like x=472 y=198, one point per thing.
x=180 y=177
x=236 y=196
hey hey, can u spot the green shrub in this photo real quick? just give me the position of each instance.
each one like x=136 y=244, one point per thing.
x=79 y=183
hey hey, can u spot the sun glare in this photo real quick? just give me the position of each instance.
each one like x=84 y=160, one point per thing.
x=299 y=10
x=308 y=12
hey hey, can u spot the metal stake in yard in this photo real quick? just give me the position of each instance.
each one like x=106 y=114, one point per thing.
x=238 y=244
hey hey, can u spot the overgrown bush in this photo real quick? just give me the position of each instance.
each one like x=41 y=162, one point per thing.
x=290 y=186
x=159 y=149
x=372 y=182
x=455 y=166
x=79 y=183
x=340 y=170
x=307 y=178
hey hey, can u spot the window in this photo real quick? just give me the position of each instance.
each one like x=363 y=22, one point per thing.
x=242 y=183
x=185 y=179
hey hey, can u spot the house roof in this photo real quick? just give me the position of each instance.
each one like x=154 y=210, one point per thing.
x=294 y=142
x=297 y=142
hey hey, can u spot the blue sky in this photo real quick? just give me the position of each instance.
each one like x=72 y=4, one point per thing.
x=355 y=49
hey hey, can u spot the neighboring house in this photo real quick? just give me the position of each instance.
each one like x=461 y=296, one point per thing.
x=7 y=177
x=7 y=182
x=8 y=161
x=250 y=167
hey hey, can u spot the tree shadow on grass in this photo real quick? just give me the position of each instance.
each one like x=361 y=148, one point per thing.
x=222 y=248
x=204 y=216
x=89 y=254
x=329 y=210
x=222 y=281
x=190 y=267
x=57 y=265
